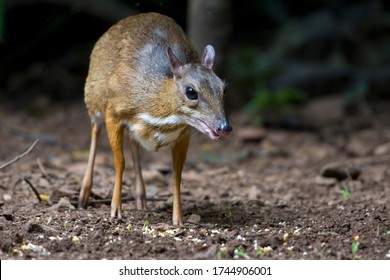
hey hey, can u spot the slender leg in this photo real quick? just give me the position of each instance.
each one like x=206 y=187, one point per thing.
x=140 y=195
x=115 y=136
x=179 y=153
x=85 y=192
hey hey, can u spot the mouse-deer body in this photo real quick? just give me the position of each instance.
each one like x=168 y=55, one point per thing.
x=145 y=77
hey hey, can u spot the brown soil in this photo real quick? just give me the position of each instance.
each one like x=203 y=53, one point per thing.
x=252 y=195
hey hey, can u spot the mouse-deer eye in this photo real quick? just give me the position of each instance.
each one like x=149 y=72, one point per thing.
x=191 y=94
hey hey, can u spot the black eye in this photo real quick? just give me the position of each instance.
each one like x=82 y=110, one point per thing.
x=191 y=93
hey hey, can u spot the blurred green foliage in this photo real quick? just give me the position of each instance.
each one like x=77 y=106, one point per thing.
x=281 y=98
x=328 y=47
x=252 y=69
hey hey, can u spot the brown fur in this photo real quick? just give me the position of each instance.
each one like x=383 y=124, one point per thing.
x=139 y=72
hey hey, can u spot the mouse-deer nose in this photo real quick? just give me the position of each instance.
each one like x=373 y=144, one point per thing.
x=224 y=128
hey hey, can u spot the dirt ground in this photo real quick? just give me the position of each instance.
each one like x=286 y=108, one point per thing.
x=258 y=194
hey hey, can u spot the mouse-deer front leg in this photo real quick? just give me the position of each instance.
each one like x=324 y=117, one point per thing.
x=179 y=154
x=115 y=136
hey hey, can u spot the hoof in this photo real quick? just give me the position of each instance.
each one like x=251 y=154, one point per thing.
x=83 y=203
x=116 y=214
x=140 y=202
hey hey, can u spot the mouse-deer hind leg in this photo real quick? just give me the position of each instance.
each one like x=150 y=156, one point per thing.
x=86 y=186
x=140 y=194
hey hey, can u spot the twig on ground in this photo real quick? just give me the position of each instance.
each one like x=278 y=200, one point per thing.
x=33 y=188
x=19 y=156
x=16 y=183
x=40 y=165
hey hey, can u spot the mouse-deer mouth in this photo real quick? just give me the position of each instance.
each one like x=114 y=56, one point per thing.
x=205 y=128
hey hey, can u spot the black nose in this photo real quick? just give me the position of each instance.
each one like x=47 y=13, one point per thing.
x=224 y=128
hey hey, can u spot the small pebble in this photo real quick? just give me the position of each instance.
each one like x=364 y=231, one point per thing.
x=32 y=227
x=193 y=219
x=382 y=149
x=340 y=172
x=251 y=134
x=7 y=197
x=62 y=206
x=319 y=180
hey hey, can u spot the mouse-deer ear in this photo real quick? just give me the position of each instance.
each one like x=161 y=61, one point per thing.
x=175 y=64
x=208 y=57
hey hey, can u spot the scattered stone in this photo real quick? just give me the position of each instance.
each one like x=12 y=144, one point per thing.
x=161 y=168
x=44 y=183
x=75 y=239
x=206 y=252
x=251 y=134
x=253 y=192
x=18 y=238
x=358 y=147
x=270 y=148
x=193 y=219
x=98 y=234
x=340 y=172
x=325 y=181
x=8 y=216
x=382 y=149
x=38 y=249
x=62 y=206
x=7 y=197
x=62 y=192
x=322 y=111
x=153 y=175
x=32 y=227
x=239 y=237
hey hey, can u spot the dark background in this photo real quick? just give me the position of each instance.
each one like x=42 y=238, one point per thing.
x=273 y=53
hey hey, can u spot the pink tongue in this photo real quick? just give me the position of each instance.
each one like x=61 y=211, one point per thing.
x=213 y=134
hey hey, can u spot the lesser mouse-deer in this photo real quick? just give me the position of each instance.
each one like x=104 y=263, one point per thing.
x=145 y=77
